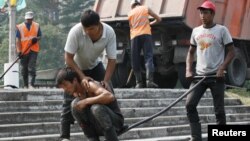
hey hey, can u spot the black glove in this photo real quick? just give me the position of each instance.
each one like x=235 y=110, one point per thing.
x=19 y=54
x=34 y=40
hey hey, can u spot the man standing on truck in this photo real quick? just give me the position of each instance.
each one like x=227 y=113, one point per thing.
x=84 y=46
x=141 y=39
x=210 y=41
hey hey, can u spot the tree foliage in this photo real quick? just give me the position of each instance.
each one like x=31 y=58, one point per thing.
x=70 y=11
x=55 y=17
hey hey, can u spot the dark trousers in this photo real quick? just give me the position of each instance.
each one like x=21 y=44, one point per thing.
x=97 y=74
x=98 y=120
x=28 y=68
x=217 y=90
x=145 y=43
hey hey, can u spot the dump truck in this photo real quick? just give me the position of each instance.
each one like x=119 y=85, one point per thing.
x=171 y=38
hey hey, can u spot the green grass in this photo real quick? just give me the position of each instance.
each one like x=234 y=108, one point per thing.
x=241 y=94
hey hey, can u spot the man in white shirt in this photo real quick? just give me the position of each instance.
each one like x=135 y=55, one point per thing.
x=84 y=47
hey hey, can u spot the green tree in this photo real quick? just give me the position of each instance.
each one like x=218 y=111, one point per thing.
x=55 y=17
x=70 y=11
x=52 y=48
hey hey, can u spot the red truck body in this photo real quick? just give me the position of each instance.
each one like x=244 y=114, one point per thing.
x=172 y=35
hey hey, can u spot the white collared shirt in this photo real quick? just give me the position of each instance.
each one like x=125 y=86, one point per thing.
x=87 y=53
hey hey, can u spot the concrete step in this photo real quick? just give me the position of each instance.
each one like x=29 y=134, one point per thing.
x=34 y=115
x=24 y=129
x=164 y=102
x=49 y=105
x=152 y=93
x=57 y=94
x=144 y=112
x=133 y=134
x=169 y=138
x=53 y=116
x=28 y=94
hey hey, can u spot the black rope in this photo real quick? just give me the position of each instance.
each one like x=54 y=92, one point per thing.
x=19 y=57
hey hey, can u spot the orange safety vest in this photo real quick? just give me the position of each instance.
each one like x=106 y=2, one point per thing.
x=27 y=35
x=139 y=22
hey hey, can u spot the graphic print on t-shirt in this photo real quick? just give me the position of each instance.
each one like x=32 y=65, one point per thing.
x=205 y=40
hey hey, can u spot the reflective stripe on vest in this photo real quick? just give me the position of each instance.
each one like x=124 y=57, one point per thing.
x=27 y=35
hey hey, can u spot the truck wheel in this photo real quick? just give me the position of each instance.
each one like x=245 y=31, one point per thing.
x=237 y=69
x=166 y=81
x=120 y=76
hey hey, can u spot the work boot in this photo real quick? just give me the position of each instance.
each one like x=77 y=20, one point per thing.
x=25 y=82
x=32 y=79
x=139 y=83
x=195 y=132
x=65 y=139
x=31 y=87
x=150 y=79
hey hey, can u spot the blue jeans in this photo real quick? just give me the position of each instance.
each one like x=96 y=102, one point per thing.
x=145 y=43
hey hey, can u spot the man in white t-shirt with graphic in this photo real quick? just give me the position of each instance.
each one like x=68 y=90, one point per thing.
x=209 y=41
x=86 y=43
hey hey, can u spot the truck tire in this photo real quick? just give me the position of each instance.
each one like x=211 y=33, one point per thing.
x=237 y=69
x=166 y=81
x=120 y=76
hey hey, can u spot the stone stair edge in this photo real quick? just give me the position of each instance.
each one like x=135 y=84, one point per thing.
x=80 y=133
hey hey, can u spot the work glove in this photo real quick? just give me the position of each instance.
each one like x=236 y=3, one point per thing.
x=34 y=40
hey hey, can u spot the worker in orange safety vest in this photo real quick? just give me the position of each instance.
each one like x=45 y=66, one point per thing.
x=28 y=34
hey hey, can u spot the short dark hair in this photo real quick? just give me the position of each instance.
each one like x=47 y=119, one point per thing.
x=135 y=4
x=66 y=74
x=90 y=18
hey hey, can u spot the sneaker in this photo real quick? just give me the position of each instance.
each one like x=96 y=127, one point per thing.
x=65 y=140
x=151 y=84
x=31 y=87
x=139 y=85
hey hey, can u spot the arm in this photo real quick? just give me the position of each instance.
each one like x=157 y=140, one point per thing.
x=18 y=45
x=39 y=34
x=97 y=95
x=110 y=69
x=111 y=49
x=189 y=62
x=18 y=41
x=100 y=94
x=155 y=16
x=69 y=59
x=230 y=55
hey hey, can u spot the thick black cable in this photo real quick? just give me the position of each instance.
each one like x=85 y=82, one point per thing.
x=202 y=78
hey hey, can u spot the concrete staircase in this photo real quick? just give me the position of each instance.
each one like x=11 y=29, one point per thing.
x=34 y=115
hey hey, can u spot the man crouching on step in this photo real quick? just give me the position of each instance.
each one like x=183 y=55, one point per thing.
x=95 y=108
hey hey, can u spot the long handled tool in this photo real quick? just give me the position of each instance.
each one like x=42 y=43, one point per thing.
x=19 y=57
x=170 y=106
x=11 y=86
x=129 y=76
